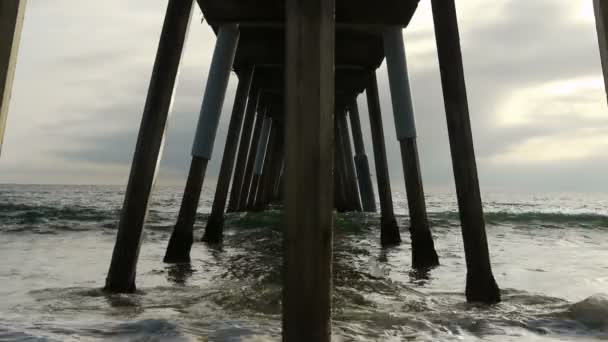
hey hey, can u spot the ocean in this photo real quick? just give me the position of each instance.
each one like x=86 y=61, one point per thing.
x=549 y=253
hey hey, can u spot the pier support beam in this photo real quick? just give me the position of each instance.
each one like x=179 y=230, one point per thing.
x=258 y=202
x=351 y=174
x=12 y=13
x=275 y=162
x=181 y=239
x=121 y=276
x=241 y=159
x=368 y=199
x=248 y=177
x=215 y=223
x=423 y=247
x=341 y=196
x=389 y=231
x=481 y=286
x=309 y=94
x=601 y=23
x=260 y=156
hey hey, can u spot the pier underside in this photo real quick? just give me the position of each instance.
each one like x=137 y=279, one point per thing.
x=272 y=12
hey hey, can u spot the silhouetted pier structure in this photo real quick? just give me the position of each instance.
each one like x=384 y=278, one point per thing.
x=301 y=65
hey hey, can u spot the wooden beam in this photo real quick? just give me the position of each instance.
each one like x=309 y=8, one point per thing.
x=309 y=137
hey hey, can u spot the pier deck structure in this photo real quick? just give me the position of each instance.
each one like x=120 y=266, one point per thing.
x=301 y=64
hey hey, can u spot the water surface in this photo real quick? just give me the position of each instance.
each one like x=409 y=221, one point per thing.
x=549 y=253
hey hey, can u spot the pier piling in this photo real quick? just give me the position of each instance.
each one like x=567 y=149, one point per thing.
x=260 y=156
x=366 y=189
x=241 y=159
x=349 y=163
x=121 y=276
x=601 y=23
x=202 y=148
x=480 y=286
x=12 y=13
x=389 y=231
x=215 y=222
x=423 y=247
x=248 y=177
x=258 y=202
x=309 y=138
x=274 y=167
x=341 y=195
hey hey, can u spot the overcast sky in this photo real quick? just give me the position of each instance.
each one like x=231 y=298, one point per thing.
x=537 y=104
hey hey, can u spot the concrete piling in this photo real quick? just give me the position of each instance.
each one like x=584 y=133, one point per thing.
x=480 y=286
x=260 y=156
x=309 y=97
x=349 y=162
x=389 y=231
x=341 y=196
x=258 y=201
x=121 y=276
x=180 y=242
x=366 y=189
x=248 y=177
x=241 y=159
x=423 y=247
x=276 y=186
x=601 y=22
x=181 y=239
x=12 y=13
x=274 y=167
x=215 y=222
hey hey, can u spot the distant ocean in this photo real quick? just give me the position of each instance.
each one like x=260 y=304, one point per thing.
x=549 y=254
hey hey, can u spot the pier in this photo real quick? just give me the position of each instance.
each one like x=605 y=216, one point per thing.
x=295 y=136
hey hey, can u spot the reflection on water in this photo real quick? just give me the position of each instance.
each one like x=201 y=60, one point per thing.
x=552 y=268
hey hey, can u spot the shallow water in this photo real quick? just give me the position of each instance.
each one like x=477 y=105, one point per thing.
x=549 y=253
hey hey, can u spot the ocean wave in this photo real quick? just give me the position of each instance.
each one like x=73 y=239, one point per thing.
x=592 y=311
x=45 y=219
x=36 y=214
x=498 y=217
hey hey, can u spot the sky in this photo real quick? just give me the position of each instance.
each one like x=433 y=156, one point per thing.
x=537 y=104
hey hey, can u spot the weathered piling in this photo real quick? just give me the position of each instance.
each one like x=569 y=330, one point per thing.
x=349 y=163
x=241 y=159
x=366 y=189
x=215 y=223
x=12 y=13
x=180 y=242
x=274 y=167
x=260 y=156
x=248 y=177
x=423 y=247
x=178 y=249
x=278 y=180
x=309 y=97
x=601 y=22
x=258 y=201
x=481 y=286
x=340 y=192
x=121 y=276
x=389 y=231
